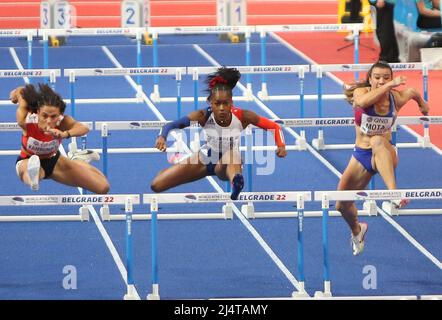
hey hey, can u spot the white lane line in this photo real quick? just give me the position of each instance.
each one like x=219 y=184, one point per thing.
x=98 y=223
x=17 y=62
x=401 y=230
x=246 y=223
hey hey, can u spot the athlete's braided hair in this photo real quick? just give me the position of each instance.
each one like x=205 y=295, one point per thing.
x=223 y=79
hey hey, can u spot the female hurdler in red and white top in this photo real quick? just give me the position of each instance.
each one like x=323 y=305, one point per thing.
x=222 y=125
x=40 y=115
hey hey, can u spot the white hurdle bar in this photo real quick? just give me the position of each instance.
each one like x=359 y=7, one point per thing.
x=130 y=72
x=300 y=70
x=371 y=195
x=318 y=143
x=52 y=74
x=61 y=200
x=14 y=127
x=191 y=198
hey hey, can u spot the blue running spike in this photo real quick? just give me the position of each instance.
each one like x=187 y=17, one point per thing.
x=237 y=186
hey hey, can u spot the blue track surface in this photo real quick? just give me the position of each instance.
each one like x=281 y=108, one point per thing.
x=205 y=258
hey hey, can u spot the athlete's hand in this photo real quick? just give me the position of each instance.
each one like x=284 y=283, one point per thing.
x=399 y=80
x=15 y=95
x=424 y=108
x=281 y=152
x=55 y=132
x=160 y=144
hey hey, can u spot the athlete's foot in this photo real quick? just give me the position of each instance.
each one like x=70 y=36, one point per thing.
x=237 y=186
x=34 y=172
x=399 y=204
x=85 y=155
x=357 y=242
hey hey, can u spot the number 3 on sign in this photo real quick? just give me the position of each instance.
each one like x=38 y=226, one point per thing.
x=45 y=15
x=238 y=13
x=130 y=14
x=62 y=15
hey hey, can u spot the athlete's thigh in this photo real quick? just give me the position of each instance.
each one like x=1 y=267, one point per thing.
x=355 y=176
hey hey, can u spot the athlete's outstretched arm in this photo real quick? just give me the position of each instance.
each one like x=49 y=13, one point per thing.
x=22 y=110
x=364 y=98
x=250 y=117
x=184 y=122
x=412 y=94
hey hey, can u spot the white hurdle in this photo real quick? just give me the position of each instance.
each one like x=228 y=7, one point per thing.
x=326 y=196
x=319 y=143
x=52 y=74
x=61 y=200
x=192 y=198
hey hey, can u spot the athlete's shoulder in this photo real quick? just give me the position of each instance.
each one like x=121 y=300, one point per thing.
x=238 y=112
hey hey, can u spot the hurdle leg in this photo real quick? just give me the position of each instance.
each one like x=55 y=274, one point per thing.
x=155 y=295
x=84 y=213
x=318 y=143
x=327 y=284
x=248 y=210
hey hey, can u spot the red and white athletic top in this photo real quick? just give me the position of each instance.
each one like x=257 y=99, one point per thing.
x=221 y=139
x=36 y=141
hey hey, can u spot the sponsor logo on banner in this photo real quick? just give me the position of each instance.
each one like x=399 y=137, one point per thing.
x=190 y=198
x=403 y=66
x=86 y=199
x=9 y=126
x=18 y=73
x=298 y=122
x=135 y=125
x=18 y=200
x=424 y=194
x=9 y=32
x=361 y=195
x=263 y=197
x=335 y=121
x=379 y=195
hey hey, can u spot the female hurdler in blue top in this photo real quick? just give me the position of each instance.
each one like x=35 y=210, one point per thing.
x=376 y=103
x=222 y=124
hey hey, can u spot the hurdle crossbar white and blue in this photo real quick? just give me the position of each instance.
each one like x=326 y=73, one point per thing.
x=318 y=142
x=185 y=198
x=355 y=195
x=62 y=200
x=20 y=33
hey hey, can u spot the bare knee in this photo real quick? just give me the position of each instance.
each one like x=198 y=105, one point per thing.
x=343 y=206
x=103 y=188
x=157 y=186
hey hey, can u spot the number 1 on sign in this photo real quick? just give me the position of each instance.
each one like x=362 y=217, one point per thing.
x=238 y=11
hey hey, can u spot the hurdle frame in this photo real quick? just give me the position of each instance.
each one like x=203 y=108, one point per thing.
x=354 y=195
x=298 y=197
x=319 y=69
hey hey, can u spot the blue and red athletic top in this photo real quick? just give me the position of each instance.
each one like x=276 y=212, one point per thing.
x=372 y=123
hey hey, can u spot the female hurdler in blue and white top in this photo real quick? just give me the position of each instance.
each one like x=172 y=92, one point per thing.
x=376 y=103
x=222 y=125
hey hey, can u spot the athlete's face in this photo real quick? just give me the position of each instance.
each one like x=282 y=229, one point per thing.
x=48 y=116
x=221 y=104
x=379 y=77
